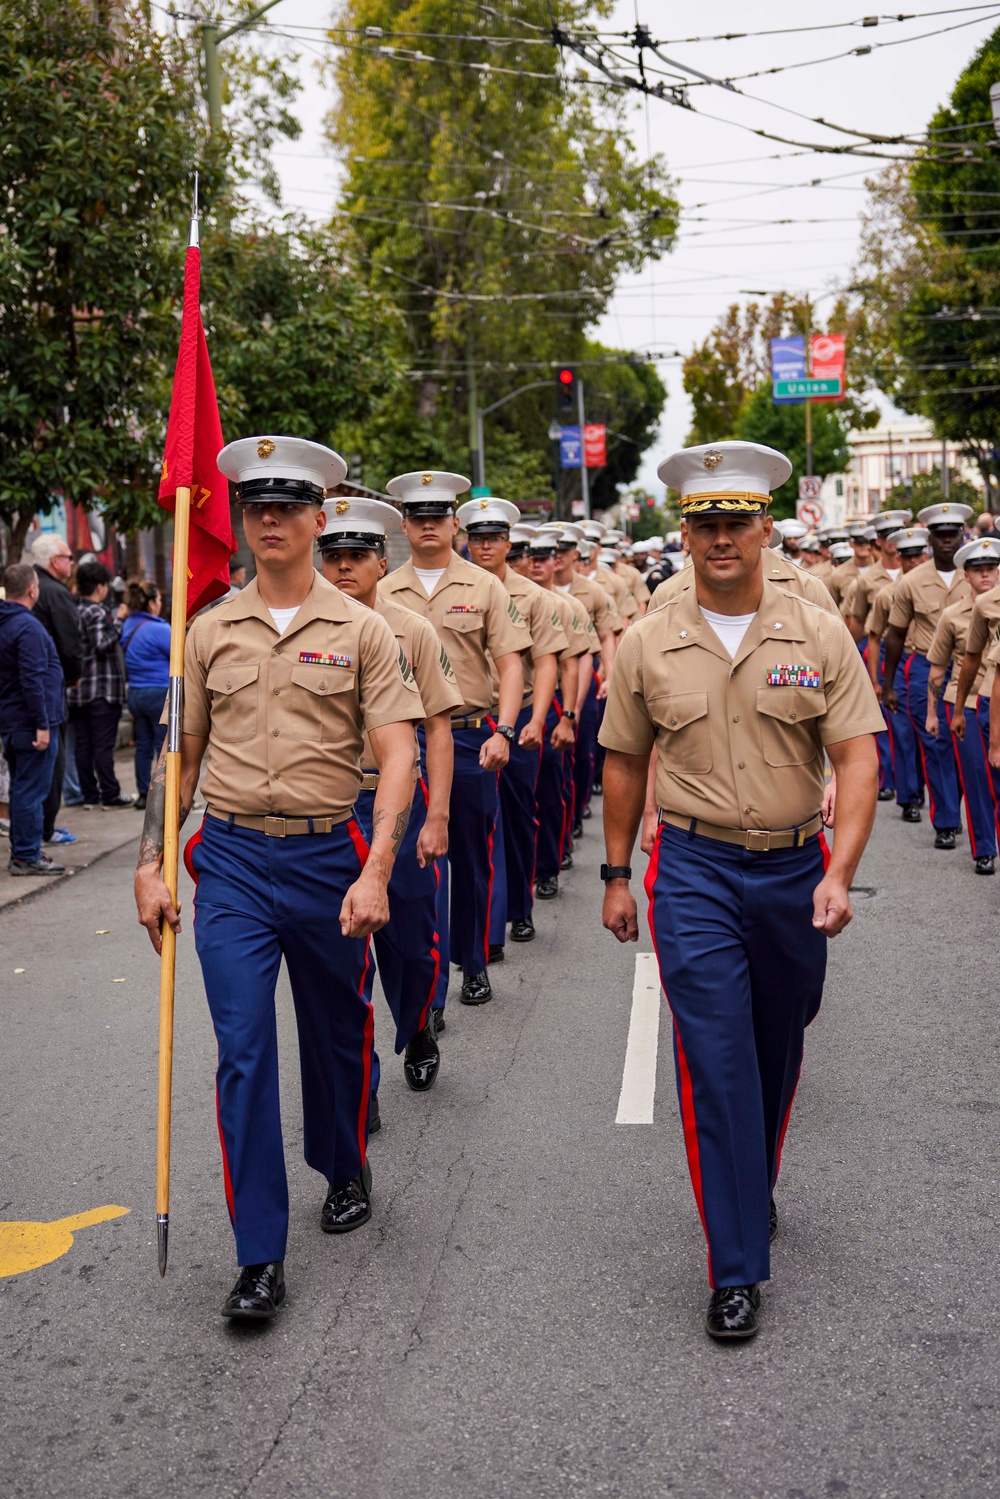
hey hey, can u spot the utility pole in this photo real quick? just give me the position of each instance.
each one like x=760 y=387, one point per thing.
x=211 y=36
x=945 y=476
x=584 y=476
x=472 y=397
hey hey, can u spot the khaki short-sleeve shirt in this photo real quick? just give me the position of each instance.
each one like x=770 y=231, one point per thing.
x=598 y=604
x=548 y=638
x=984 y=633
x=777 y=569
x=619 y=591
x=634 y=581
x=840 y=579
x=860 y=595
x=949 y=646
x=919 y=599
x=285 y=715
x=739 y=743
x=576 y=623
x=474 y=617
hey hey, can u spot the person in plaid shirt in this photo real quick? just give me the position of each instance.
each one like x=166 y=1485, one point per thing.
x=95 y=702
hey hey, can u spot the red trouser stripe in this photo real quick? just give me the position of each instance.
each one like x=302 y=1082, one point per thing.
x=920 y=743
x=784 y=1126
x=435 y=950
x=688 y=1119
x=970 y=820
x=361 y=849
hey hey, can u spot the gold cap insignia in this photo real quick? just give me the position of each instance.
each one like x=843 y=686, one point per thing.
x=944 y=508
x=712 y=459
x=265 y=448
x=484 y=504
x=427 y=479
x=342 y=507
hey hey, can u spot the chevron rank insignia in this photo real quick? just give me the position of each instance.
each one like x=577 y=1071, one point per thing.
x=793 y=676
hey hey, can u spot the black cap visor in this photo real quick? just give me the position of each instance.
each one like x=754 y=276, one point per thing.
x=354 y=541
x=282 y=491
x=428 y=507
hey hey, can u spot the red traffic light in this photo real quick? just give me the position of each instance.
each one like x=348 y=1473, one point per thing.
x=565 y=377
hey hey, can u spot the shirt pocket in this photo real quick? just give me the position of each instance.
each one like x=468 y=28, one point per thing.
x=234 y=701
x=685 y=745
x=787 y=717
x=318 y=707
x=465 y=624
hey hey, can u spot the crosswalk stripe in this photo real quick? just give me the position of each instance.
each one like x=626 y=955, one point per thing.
x=638 y=1093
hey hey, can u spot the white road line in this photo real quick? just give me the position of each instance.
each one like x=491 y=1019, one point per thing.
x=635 y=1102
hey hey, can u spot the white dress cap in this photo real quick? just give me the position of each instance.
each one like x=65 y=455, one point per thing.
x=891 y=520
x=489 y=512
x=522 y=533
x=593 y=530
x=912 y=539
x=607 y=556
x=251 y=460
x=985 y=551
x=614 y=537
x=346 y=518
x=564 y=532
x=725 y=478
x=945 y=515
x=791 y=530
x=841 y=551
x=427 y=486
x=543 y=541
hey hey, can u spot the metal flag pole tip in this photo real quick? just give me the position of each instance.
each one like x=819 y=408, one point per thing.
x=162 y=1227
x=193 y=237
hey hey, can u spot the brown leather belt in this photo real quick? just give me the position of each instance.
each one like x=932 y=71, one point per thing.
x=280 y=827
x=756 y=840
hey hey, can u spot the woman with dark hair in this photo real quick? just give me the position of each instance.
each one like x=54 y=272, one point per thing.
x=146 y=645
x=95 y=701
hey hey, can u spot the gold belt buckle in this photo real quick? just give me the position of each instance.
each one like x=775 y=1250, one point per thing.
x=758 y=841
x=274 y=827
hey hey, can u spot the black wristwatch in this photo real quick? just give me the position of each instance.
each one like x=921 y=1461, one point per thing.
x=615 y=872
x=570 y=713
x=507 y=732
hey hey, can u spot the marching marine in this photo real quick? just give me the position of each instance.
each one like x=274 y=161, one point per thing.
x=281 y=684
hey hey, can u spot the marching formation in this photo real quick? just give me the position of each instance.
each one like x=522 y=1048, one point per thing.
x=397 y=764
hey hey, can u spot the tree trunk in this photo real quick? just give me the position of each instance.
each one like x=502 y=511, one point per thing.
x=20 y=526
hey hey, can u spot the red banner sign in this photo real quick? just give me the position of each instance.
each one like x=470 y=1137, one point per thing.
x=826 y=360
x=595 y=449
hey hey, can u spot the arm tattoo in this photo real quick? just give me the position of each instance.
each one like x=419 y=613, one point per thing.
x=379 y=861
x=934 y=690
x=151 y=842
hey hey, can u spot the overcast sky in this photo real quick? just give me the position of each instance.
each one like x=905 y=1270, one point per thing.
x=726 y=173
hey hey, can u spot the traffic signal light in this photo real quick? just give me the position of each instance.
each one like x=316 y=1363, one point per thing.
x=566 y=394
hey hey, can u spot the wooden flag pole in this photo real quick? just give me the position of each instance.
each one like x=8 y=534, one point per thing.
x=171 y=851
x=171 y=833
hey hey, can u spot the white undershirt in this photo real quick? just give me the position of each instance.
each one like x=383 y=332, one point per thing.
x=862 y=570
x=946 y=578
x=564 y=587
x=283 y=617
x=429 y=577
x=894 y=572
x=730 y=628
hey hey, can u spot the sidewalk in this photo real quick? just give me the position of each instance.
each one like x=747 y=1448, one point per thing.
x=97 y=833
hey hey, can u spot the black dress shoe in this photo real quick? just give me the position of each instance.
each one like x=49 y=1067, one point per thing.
x=566 y=862
x=349 y=1206
x=436 y=1021
x=421 y=1061
x=911 y=812
x=886 y=794
x=921 y=799
x=986 y=864
x=374 y=1117
x=598 y=789
x=257 y=1294
x=774 y=1221
x=496 y=953
x=578 y=828
x=732 y=1312
x=945 y=838
x=522 y=931
x=587 y=815
x=547 y=889
x=476 y=989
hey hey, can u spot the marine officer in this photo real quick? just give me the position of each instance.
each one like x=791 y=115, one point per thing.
x=487 y=525
x=777 y=569
x=918 y=599
x=475 y=620
x=743 y=688
x=407 y=950
x=281 y=683
x=979 y=561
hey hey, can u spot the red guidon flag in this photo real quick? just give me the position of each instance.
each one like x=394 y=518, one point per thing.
x=194 y=440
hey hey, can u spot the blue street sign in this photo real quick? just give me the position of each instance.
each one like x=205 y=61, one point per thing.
x=788 y=362
x=570 y=448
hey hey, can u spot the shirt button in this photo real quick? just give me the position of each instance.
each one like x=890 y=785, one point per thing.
x=275 y=733
x=673 y=723
x=277 y=650
x=792 y=715
x=743 y=765
x=747 y=811
x=736 y=718
x=275 y=775
x=276 y=690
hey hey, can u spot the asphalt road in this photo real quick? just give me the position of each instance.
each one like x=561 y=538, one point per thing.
x=522 y=1316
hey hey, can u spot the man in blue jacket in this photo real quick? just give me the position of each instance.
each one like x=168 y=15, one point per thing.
x=31 y=711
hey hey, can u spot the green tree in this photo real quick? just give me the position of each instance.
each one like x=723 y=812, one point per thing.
x=925 y=489
x=495 y=203
x=783 y=427
x=627 y=395
x=99 y=133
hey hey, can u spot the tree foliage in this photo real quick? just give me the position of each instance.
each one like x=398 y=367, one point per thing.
x=925 y=489
x=930 y=269
x=494 y=202
x=783 y=427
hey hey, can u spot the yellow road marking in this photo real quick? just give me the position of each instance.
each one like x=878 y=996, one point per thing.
x=28 y=1246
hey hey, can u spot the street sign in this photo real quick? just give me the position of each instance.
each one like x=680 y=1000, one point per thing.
x=810 y=513
x=570 y=448
x=480 y=491
x=801 y=390
x=595 y=444
x=809 y=487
